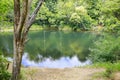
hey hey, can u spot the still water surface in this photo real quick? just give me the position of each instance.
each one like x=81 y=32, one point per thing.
x=52 y=49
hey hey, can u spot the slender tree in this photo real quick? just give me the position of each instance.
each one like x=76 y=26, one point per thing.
x=22 y=23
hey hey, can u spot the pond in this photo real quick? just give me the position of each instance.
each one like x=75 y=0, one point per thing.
x=52 y=49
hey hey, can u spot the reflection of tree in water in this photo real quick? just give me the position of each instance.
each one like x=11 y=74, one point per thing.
x=59 y=44
x=54 y=45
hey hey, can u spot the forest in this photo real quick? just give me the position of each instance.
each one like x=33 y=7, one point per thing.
x=88 y=29
x=70 y=14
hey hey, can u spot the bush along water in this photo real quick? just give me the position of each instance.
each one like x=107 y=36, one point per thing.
x=4 y=74
x=105 y=49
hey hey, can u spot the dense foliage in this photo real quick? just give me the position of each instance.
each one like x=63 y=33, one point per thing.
x=4 y=74
x=106 y=49
x=81 y=14
x=6 y=13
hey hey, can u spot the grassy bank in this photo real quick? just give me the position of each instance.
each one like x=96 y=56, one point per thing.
x=107 y=65
x=10 y=29
x=110 y=70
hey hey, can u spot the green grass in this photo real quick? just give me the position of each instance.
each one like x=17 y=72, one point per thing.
x=10 y=29
x=36 y=27
x=114 y=66
x=110 y=69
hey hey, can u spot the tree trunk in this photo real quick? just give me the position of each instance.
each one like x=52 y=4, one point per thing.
x=22 y=23
x=18 y=52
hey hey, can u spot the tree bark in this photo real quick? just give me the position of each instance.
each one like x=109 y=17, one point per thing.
x=18 y=52
x=22 y=24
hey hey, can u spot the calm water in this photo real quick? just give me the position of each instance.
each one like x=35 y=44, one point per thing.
x=52 y=49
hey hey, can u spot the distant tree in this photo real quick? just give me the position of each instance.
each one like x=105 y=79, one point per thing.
x=22 y=23
x=6 y=10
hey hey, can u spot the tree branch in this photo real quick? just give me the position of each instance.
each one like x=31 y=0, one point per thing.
x=31 y=19
x=33 y=15
x=22 y=17
x=16 y=13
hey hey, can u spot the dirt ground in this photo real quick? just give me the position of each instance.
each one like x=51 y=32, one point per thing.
x=62 y=74
x=35 y=73
x=117 y=76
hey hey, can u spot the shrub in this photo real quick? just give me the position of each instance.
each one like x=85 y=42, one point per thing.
x=106 y=49
x=4 y=74
x=110 y=69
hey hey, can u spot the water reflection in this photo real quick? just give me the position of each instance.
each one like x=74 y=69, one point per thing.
x=58 y=44
x=52 y=48
x=6 y=43
x=63 y=62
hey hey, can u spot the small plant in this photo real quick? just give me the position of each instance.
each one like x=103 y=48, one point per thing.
x=109 y=73
x=110 y=69
x=22 y=75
